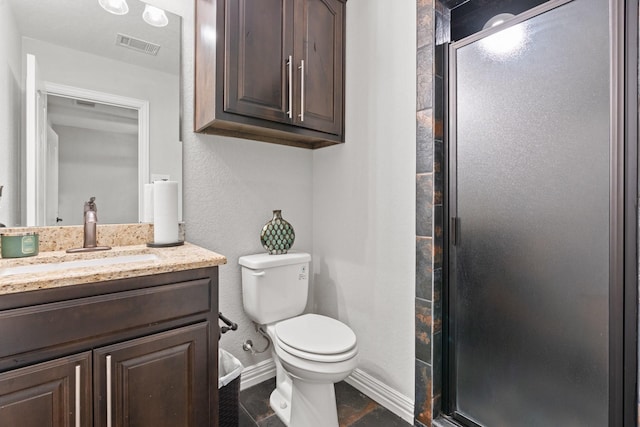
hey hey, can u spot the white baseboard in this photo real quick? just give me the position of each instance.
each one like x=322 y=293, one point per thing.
x=391 y=399
x=255 y=374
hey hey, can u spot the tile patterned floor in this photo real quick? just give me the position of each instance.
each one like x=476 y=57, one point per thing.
x=354 y=408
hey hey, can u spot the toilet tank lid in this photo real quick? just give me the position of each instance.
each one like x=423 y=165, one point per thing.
x=264 y=260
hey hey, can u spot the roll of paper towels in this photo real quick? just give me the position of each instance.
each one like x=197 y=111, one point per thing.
x=147 y=214
x=165 y=212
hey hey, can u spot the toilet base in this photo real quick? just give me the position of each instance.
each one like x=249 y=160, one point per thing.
x=312 y=404
x=281 y=406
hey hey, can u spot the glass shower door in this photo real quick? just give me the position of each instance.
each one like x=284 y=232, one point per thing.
x=530 y=182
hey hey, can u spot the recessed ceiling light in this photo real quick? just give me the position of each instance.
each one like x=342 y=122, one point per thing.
x=117 y=7
x=154 y=16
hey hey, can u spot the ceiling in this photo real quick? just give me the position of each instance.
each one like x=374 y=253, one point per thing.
x=63 y=111
x=83 y=25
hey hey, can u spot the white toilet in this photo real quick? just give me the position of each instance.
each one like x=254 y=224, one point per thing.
x=311 y=352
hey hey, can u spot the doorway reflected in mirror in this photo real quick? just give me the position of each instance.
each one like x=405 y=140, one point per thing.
x=93 y=152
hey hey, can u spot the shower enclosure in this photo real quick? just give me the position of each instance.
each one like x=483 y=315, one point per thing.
x=537 y=225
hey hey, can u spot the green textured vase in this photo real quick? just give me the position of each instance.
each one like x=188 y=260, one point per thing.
x=277 y=236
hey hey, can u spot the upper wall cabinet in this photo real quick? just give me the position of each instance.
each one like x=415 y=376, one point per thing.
x=271 y=70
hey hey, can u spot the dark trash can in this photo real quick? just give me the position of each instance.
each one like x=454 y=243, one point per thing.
x=229 y=369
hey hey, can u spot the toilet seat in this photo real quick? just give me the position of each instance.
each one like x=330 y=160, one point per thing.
x=326 y=358
x=316 y=338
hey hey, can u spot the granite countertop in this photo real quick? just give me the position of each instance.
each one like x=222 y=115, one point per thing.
x=185 y=257
x=125 y=240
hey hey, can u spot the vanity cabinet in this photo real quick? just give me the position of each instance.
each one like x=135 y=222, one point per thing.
x=271 y=70
x=129 y=352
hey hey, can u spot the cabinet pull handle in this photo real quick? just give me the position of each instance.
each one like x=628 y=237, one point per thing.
x=77 y=395
x=301 y=67
x=290 y=72
x=108 y=390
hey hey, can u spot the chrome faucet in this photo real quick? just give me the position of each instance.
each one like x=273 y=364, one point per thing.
x=90 y=232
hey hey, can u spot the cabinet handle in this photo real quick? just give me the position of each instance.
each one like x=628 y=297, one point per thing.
x=290 y=72
x=301 y=68
x=77 y=395
x=108 y=390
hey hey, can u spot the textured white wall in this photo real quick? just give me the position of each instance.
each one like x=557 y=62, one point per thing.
x=352 y=204
x=231 y=187
x=364 y=194
x=10 y=116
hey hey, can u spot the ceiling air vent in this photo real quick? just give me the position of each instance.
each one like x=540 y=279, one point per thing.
x=137 y=44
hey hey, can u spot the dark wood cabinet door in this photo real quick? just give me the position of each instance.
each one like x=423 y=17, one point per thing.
x=271 y=70
x=320 y=43
x=160 y=380
x=259 y=42
x=50 y=394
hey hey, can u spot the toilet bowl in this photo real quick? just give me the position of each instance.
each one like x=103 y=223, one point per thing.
x=311 y=352
x=312 y=367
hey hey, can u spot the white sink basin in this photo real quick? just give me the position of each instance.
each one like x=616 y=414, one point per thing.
x=83 y=263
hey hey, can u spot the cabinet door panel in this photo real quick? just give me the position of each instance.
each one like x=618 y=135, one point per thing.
x=258 y=44
x=50 y=394
x=156 y=381
x=321 y=47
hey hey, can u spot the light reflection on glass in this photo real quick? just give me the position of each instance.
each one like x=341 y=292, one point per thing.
x=507 y=41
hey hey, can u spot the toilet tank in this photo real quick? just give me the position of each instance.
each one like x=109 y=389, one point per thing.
x=274 y=287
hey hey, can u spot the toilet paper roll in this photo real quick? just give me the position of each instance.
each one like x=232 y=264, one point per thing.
x=147 y=213
x=165 y=212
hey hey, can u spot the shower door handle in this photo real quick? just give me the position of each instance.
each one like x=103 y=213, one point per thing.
x=454 y=233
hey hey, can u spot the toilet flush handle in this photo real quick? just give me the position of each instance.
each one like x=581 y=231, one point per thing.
x=260 y=273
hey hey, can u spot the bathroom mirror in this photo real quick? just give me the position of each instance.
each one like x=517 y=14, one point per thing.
x=89 y=106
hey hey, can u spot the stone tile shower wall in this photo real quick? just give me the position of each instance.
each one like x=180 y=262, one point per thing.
x=432 y=29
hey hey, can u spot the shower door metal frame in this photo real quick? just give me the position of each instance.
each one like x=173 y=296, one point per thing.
x=629 y=76
x=623 y=213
